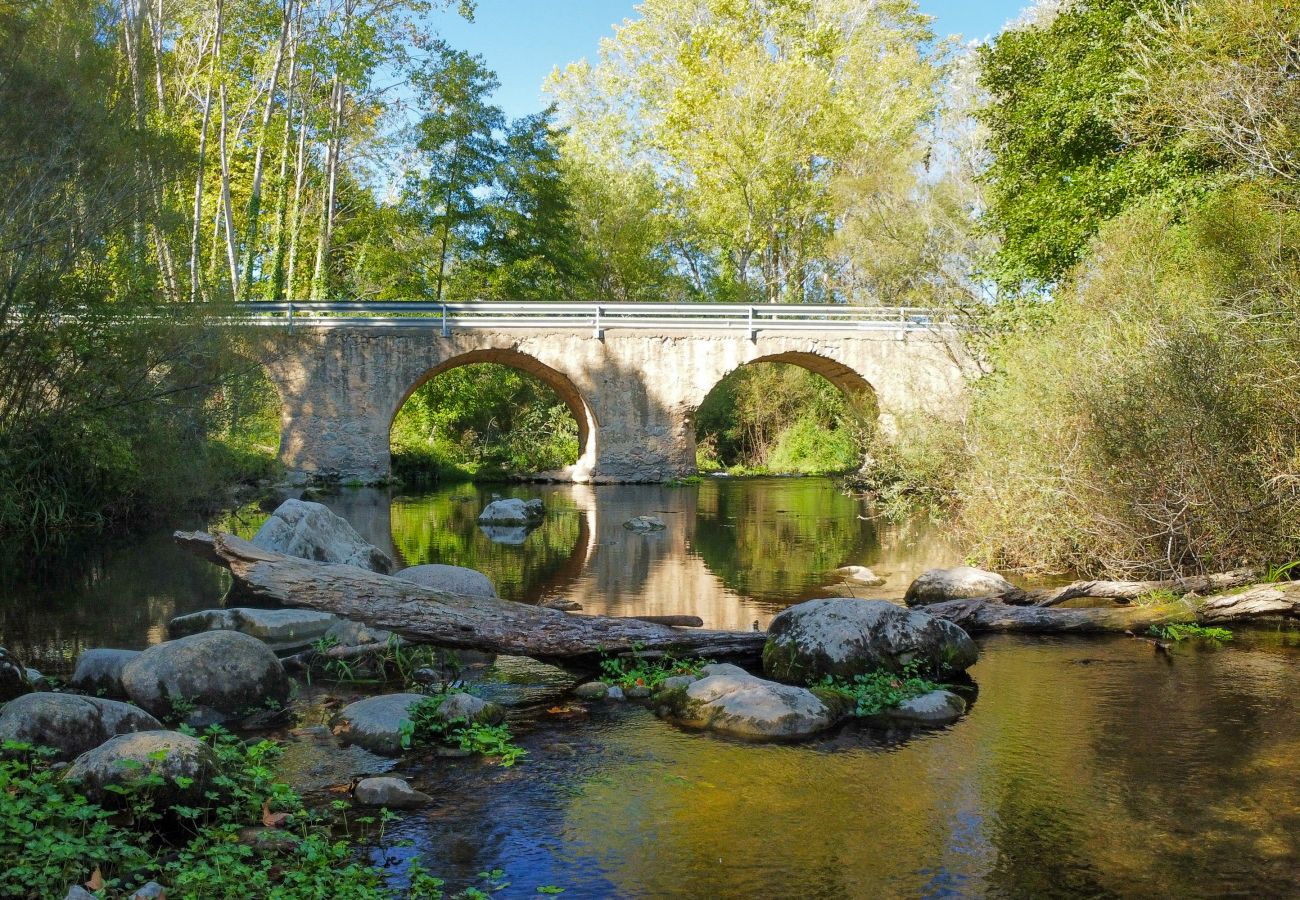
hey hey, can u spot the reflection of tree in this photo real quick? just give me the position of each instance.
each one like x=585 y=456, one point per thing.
x=777 y=542
x=442 y=527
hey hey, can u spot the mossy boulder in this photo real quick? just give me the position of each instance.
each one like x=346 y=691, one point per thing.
x=68 y=723
x=959 y=583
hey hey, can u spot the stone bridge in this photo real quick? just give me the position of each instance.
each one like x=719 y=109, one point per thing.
x=632 y=381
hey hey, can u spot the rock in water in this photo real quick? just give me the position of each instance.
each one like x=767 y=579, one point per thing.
x=861 y=575
x=935 y=708
x=844 y=637
x=216 y=676
x=563 y=605
x=347 y=633
x=185 y=764
x=453 y=579
x=100 y=671
x=512 y=512
x=282 y=627
x=377 y=723
x=393 y=793
x=68 y=723
x=960 y=583
x=311 y=531
x=730 y=700
x=643 y=524
x=13 y=677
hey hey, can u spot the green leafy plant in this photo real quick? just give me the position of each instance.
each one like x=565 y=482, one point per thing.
x=425 y=726
x=1181 y=632
x=1284 y=572
x=641 y=670
x=874 y=692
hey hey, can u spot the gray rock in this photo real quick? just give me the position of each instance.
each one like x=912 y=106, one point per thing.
x=69 y=723
x=512 y=512
x=282 y=627
x=644 y=524
x=347 y=633
x=730 y=700
x=614 y=693
x=13 y=677
x=676 y=682
x=638 y=692
x=844 y=637
x=563 y=605
x=393 y=793
x=935 y=708
x=592 y=690
x=224 y=675
x=37 y=681
x=150 y=891
x=77 y=892
x=311 y=531
x=860 y=575
x=453 y=579
x=376 y=723
x=100 y=671
x=960 y=583
x=185 y=764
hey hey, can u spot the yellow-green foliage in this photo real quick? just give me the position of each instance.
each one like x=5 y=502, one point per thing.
x=1151 y=424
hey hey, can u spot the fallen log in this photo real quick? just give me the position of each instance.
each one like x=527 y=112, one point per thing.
x=453 y=620
x=675 y=621
x=1129 y=590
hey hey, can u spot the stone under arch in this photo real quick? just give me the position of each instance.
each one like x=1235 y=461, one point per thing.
x=557 y=381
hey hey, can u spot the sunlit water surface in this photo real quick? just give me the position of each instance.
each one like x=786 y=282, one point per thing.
x=1085 y=768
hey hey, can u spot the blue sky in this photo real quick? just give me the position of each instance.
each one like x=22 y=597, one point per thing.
x=522 y=40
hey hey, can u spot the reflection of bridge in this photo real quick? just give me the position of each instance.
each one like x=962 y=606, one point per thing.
x=632 y=374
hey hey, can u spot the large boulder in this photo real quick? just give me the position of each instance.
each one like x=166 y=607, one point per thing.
x=960 y=583
x=186 y=766
x=13 y=677
x=512 y=511
x=377 y=723
x=100 y=671
x=281 y=627
x=311 y=531
x=730 y=700
x=210 y=677
x=452 y=579
x=843 y=637
x=69 y=723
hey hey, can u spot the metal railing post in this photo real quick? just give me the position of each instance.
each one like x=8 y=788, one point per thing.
x=597 y=332
x=290 y=315
x=446 y=332
x=753 y=335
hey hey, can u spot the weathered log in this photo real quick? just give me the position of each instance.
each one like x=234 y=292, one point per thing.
x=675 y=621
x=1129 y=590
x=454 y=620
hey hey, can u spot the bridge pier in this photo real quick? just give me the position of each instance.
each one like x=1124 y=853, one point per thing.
x=634 y=394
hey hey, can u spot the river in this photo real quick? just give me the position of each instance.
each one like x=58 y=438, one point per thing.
x=1086 y=767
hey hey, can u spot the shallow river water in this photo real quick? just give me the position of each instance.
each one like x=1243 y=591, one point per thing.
x=1085 y=768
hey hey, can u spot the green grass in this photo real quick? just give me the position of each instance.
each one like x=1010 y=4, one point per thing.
x=1178 y=632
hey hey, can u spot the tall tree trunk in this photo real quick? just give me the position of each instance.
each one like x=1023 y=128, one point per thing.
x=282 y=201
x=295 y=221
x=228 y=213
x=196 y=225
x=323 y=238
x=255 y=191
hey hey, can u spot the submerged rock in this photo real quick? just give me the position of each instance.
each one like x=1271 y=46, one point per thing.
x=730 y=700
x=311 y=531
x=512 y=511
x=13 y=677
x=453 y=579
x=960 y=583
x=935 y=708
x=563 y=605
x=377 y=723
x=393 y=793
x=645 y=524
x=100 y=671
x=69 y=723
x=185 y=764
x=210 y=677
x=284 y=627
x=512 y=535
x=844 y=637
x=861 y=575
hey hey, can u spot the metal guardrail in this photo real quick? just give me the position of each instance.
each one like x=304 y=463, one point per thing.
x=597 y=317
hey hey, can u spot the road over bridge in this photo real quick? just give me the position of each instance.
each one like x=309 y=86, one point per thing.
x=632 y=374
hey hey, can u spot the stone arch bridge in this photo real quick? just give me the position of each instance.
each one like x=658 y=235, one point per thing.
x=632 y=374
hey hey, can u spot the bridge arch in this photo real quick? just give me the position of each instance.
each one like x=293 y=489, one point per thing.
x=564 y=388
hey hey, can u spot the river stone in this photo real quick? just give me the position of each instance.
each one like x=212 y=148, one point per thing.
x=861 y=575
x=284 y=627
x=512 y=512
x=150 y=891
x=393 y=793
x=224 y=674
x=960 y=583
x=452 y=579
x=100 y=671
x=643 y=524
x=592 y=690
x=935 y=708
x=674 y=682
x=13 y=677
x=347 y=633
x=730 y=700
x=311 y=531
x=562 y=605
x=844 y=637
x=69 y=723
x=375 y=723
x=127 y=758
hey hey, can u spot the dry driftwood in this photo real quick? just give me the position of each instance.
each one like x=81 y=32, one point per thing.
x=1130 y=590
x=453 y=620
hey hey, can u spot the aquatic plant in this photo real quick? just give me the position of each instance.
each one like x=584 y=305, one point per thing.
x=638 y=670
x=1182 y=632
x=874 y=692
x=425 y=726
